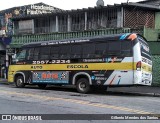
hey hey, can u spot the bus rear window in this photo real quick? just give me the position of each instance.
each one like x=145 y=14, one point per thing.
x=145 y=51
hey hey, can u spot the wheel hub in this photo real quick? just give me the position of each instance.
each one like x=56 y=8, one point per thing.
x=82 y=85
x=19 y=82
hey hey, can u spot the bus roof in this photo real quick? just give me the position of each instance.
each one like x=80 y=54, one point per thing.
x=123 y=36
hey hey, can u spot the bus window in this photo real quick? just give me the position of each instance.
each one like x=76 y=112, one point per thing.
x=54 y=53
x=65 y=51
x=36 y=53
x=126 y=48
x=114 y=48
x=89 y=50
x=44 y=53
x=101 y=50
x=76 y=51
x=30 y=54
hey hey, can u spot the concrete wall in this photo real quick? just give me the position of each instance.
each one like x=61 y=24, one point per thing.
x=157 y=20
x=151 y=34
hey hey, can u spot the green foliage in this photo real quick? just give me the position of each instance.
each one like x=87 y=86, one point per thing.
x=156 y=70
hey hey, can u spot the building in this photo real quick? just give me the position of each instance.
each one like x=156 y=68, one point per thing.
x=137 y=17
x=8 y=28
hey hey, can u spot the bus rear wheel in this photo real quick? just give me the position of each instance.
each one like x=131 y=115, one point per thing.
x=20 y=82
x=83 y=86
x=42 y=86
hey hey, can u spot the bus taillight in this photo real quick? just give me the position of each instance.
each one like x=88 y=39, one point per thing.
x=138 y=65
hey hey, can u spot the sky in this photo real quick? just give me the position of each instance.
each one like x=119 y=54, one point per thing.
x=62 y=4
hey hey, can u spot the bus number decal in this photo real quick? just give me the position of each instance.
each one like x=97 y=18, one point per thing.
x=51 y=62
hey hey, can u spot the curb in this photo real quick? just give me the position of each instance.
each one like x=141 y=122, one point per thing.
x=6 y=83
x=138 y=93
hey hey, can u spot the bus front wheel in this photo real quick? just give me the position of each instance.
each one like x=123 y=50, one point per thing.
x=19 y=82
x=83 y=86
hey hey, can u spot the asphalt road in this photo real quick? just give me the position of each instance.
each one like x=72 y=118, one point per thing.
x=64 y=100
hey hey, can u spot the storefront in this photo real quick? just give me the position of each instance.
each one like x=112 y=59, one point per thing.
x=4 y=42
x=8 y=28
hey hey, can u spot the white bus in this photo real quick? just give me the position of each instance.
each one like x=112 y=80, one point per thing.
x=113 y=60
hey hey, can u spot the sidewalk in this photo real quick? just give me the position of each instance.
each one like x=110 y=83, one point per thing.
x=138 y=90
x=2 y=80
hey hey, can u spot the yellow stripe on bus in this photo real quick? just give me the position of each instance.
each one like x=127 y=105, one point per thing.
x=146 y=68
x=82 y=66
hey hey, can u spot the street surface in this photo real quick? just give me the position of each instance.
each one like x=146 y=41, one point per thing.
x=64 y=100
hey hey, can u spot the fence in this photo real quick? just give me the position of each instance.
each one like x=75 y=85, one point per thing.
x=19 y=40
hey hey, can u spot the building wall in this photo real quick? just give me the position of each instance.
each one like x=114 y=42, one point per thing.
x=157 y=20
x=52 y=24
x=151 y=34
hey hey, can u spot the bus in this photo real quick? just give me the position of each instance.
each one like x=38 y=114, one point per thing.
x=86 y=63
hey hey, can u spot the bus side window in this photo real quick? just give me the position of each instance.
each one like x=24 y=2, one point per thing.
x=100 y=50
x=126 y=48
x=54 y=53
x=76 y=51
x=88 y=50
x=36 y=53
x=44 y=53
x=65 y=51
x=114 y=48
x=30 y=53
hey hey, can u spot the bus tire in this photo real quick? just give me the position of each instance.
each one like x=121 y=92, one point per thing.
x=20 y=82
x=83 y=85
x=42 y=86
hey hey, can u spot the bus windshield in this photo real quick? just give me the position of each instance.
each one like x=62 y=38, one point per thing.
x=19 y=56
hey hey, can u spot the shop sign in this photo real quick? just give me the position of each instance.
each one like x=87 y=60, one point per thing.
x=39 y=9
